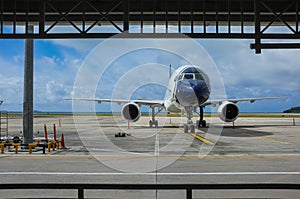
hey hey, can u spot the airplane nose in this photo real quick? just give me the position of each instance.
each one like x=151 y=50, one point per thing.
x=192 y=92
x=201 y=91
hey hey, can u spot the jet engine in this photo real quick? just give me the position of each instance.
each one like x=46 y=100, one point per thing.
x=131 y=112
x=228 y=111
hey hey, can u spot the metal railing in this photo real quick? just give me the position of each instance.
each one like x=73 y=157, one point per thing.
x=187 y=187
x=3 y=123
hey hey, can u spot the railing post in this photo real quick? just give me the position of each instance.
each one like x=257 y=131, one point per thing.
x=80 y=193
x=189 y=193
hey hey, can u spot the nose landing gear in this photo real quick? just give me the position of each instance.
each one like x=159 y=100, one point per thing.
x=189 y=125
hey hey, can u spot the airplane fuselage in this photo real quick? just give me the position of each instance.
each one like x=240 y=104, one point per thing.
x=188 y=87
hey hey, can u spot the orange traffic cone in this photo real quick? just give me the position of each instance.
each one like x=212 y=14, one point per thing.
x=62 y=142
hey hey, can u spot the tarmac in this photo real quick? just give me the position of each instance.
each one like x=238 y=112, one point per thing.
x=255 y=150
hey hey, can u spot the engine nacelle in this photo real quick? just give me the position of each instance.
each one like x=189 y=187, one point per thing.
x=228 y=111
x=131 y=112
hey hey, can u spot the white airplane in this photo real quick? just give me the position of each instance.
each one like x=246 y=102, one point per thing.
x=188 y=89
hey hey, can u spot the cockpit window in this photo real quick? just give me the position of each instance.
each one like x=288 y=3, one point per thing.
x=189 y=76
x=179 y=77
x=191 y=73
x=198 y=76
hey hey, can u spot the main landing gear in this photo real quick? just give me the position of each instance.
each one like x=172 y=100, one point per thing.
x=154 y=122
x=201 y=122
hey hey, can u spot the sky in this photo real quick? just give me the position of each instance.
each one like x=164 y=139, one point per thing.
x=58 y=62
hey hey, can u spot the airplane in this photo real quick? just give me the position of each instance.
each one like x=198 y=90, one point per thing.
x=188 y=89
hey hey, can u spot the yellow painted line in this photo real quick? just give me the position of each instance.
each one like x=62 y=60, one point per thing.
x=251 y=156
x=202 y=139
x=49 y=156
x=250 y=135
x=268 y=139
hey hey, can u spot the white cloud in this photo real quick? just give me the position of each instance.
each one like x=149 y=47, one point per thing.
x=8 y=82
x=55 y=91
x=54 y=78
x=11 y=92
x=80 y=45
x=19 y=59
x=241 y=68
x=9 y=68
x=47 y=62
x=11 y=84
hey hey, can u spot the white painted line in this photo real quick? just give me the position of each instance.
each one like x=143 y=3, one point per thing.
x=154 y=174
x=157 y=144
x=94 y=151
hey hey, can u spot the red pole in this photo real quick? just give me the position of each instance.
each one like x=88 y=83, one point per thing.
x=45 y=132
x=54 y=131
x=233 y=124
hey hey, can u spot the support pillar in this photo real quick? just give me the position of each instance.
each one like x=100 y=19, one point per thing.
x=28 y=90
x=125 y=15
x=257 y=27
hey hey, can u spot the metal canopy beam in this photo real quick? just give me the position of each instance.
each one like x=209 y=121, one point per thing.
x=243 y=19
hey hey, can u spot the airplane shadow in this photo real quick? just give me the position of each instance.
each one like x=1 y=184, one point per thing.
x=172 y=127
x=160 y=127
x=242 y=132
x=239 y=131
x=229 y=131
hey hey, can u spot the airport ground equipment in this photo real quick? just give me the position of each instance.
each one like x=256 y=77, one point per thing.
x=16 y=146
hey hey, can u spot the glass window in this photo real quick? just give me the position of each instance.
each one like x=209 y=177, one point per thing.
x=199 y=76
x=179 y=77
x=189 y=76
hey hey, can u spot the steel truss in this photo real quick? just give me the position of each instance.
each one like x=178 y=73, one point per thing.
x=239 y=19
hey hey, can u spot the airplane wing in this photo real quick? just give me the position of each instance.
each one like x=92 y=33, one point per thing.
x=146 y=102
x=251 y=100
